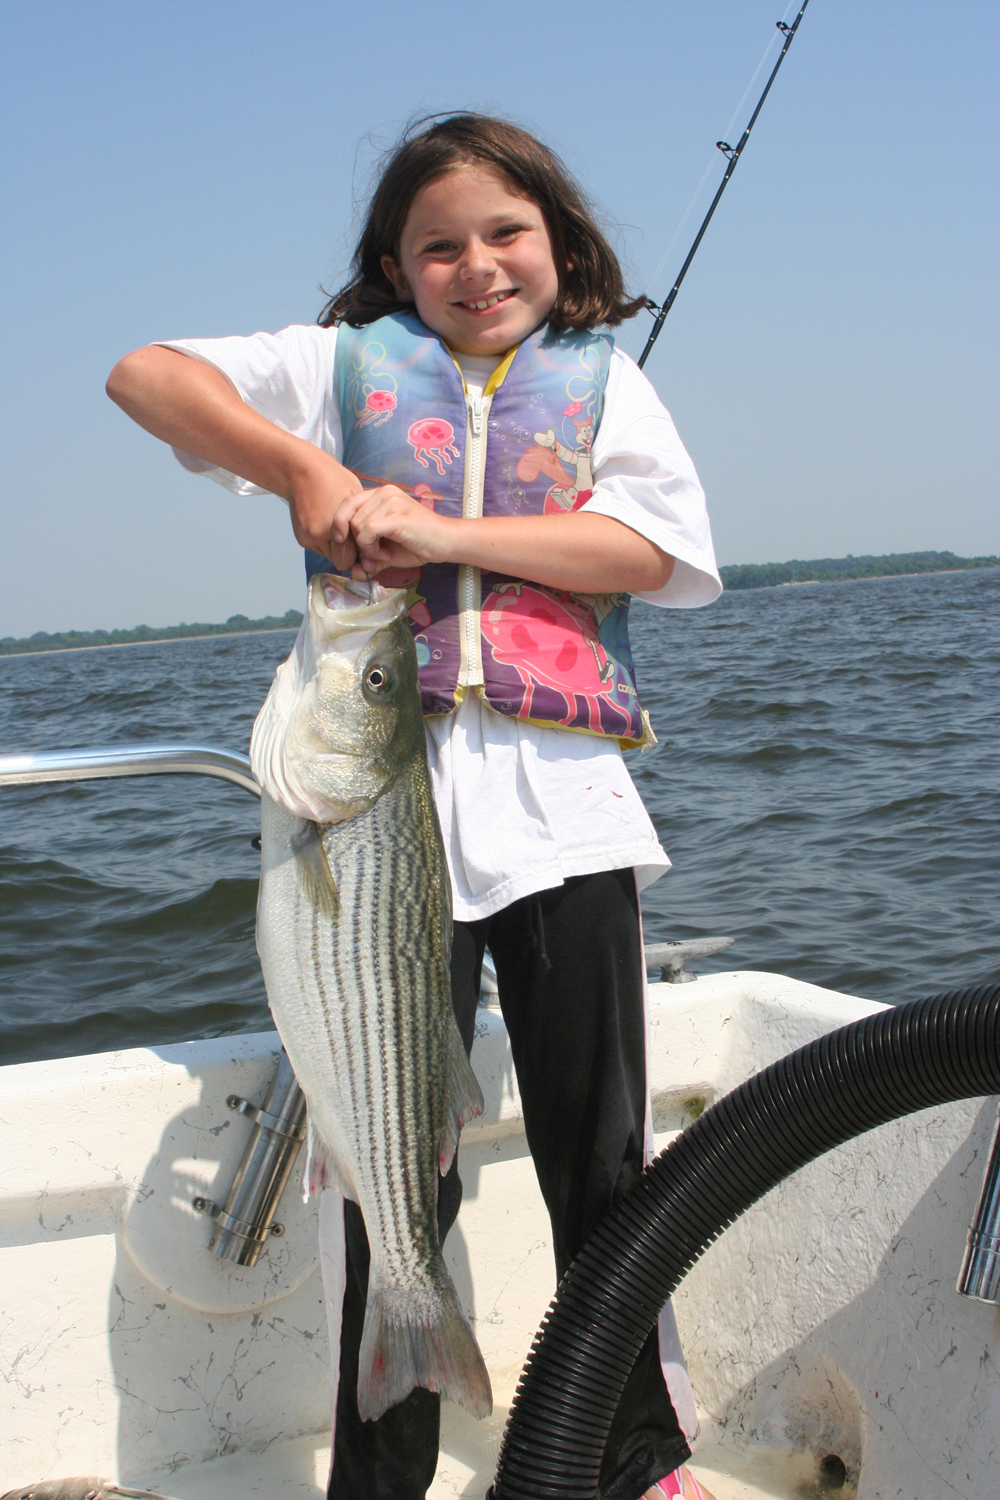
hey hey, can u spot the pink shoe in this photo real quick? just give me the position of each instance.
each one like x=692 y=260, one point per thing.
x=672 y=1485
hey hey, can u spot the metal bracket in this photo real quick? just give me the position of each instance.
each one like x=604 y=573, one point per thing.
x=258 y=1233
x=726 y=149
x=245 y=1219
x=670 y=958
x=278 y=1124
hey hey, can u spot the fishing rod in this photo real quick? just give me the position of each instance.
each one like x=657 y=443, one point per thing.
x=733 y=153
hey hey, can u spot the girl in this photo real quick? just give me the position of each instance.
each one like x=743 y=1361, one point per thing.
x=455 y=425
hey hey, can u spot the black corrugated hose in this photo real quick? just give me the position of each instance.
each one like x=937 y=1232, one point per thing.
x=906 y=1058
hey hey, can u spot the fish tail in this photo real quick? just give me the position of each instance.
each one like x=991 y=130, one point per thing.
x=400 y=1350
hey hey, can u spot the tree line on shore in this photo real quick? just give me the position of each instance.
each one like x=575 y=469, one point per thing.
x=829 y=569
x=734 y=576
x=69 y=640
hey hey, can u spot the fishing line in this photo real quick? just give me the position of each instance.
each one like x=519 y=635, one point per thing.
x=712 y=159
x=733 y=154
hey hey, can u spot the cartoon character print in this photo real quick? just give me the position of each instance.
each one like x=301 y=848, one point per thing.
x=379 y=407
x=434 y=437
x=548 y=455
x=370 y=390
x=552 y=642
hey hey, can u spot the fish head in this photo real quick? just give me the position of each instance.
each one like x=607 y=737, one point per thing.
x=358 y=720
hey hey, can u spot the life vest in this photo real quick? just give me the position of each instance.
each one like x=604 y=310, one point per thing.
x=522 y=448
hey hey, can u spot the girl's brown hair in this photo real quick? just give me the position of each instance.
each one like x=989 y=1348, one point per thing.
x=591 y=288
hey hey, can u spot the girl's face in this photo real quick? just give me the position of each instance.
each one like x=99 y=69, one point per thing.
x=476 y=260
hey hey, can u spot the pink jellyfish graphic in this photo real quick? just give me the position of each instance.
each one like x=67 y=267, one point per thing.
x=552 y=643
x=379 y=407
x=434 y=437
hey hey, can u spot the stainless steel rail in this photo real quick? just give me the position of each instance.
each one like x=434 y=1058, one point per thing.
x=979 y=1277
x=246 y=1218
x=127 y=760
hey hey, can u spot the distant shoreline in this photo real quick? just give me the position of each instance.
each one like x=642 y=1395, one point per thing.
x=797 y=583
x=146 y=635
x=735 y=577
x=147 y=640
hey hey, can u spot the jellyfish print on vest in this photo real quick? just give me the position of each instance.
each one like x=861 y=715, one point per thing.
x=553 y=645
x=435 y=438
x=379 y=407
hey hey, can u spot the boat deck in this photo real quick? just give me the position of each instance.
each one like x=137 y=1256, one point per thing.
x=824 y=1323
x=297 y=1470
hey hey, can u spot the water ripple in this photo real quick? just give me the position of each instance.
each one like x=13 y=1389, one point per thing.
x=826 y=780
x=826 y=783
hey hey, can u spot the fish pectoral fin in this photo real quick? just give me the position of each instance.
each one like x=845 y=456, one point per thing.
x=321 y=1171
x=465 y=1100
x=407 y=1343
x=315 y=876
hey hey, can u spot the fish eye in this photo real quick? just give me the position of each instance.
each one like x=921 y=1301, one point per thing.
x=378 y=679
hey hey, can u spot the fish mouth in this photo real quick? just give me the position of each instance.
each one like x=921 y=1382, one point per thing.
x=340 y=605
x=341 y=593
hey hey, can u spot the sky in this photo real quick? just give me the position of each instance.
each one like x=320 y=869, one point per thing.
x=177 y=169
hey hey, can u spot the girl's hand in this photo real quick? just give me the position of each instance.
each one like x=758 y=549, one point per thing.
x=576 y=551
x=318 y=490
x=391 y=529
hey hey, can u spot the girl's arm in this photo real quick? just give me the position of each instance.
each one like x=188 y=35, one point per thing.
x=583 y=553
x=194 y=407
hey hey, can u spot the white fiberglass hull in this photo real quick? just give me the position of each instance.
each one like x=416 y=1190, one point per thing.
x=825 y=1322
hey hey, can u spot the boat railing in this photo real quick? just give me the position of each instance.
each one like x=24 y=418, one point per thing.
x=245 y=1219
x=37 y=766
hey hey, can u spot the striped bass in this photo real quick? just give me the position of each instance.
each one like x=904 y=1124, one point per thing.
x=354 y=937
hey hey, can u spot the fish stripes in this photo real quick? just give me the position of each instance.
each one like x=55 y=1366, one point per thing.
x=360 y=985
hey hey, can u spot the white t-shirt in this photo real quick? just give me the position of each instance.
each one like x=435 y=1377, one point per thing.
x=522 y=807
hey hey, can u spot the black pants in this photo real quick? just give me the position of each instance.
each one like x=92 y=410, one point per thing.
x=569 y=973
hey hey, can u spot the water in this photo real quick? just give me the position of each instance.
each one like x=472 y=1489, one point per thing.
x=826 y=784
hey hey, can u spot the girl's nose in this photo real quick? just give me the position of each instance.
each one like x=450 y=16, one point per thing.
x=477 y=260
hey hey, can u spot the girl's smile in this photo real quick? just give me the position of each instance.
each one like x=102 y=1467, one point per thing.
x=476 y=260
x=484 y=305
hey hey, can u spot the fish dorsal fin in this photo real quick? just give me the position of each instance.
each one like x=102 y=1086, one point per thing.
x=464 y=1099
x=315 y=875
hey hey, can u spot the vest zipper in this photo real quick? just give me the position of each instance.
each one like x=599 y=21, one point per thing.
x=469 y=587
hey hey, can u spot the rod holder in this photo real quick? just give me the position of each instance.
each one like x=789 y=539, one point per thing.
x=246 y=1219
x=980 y=1274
